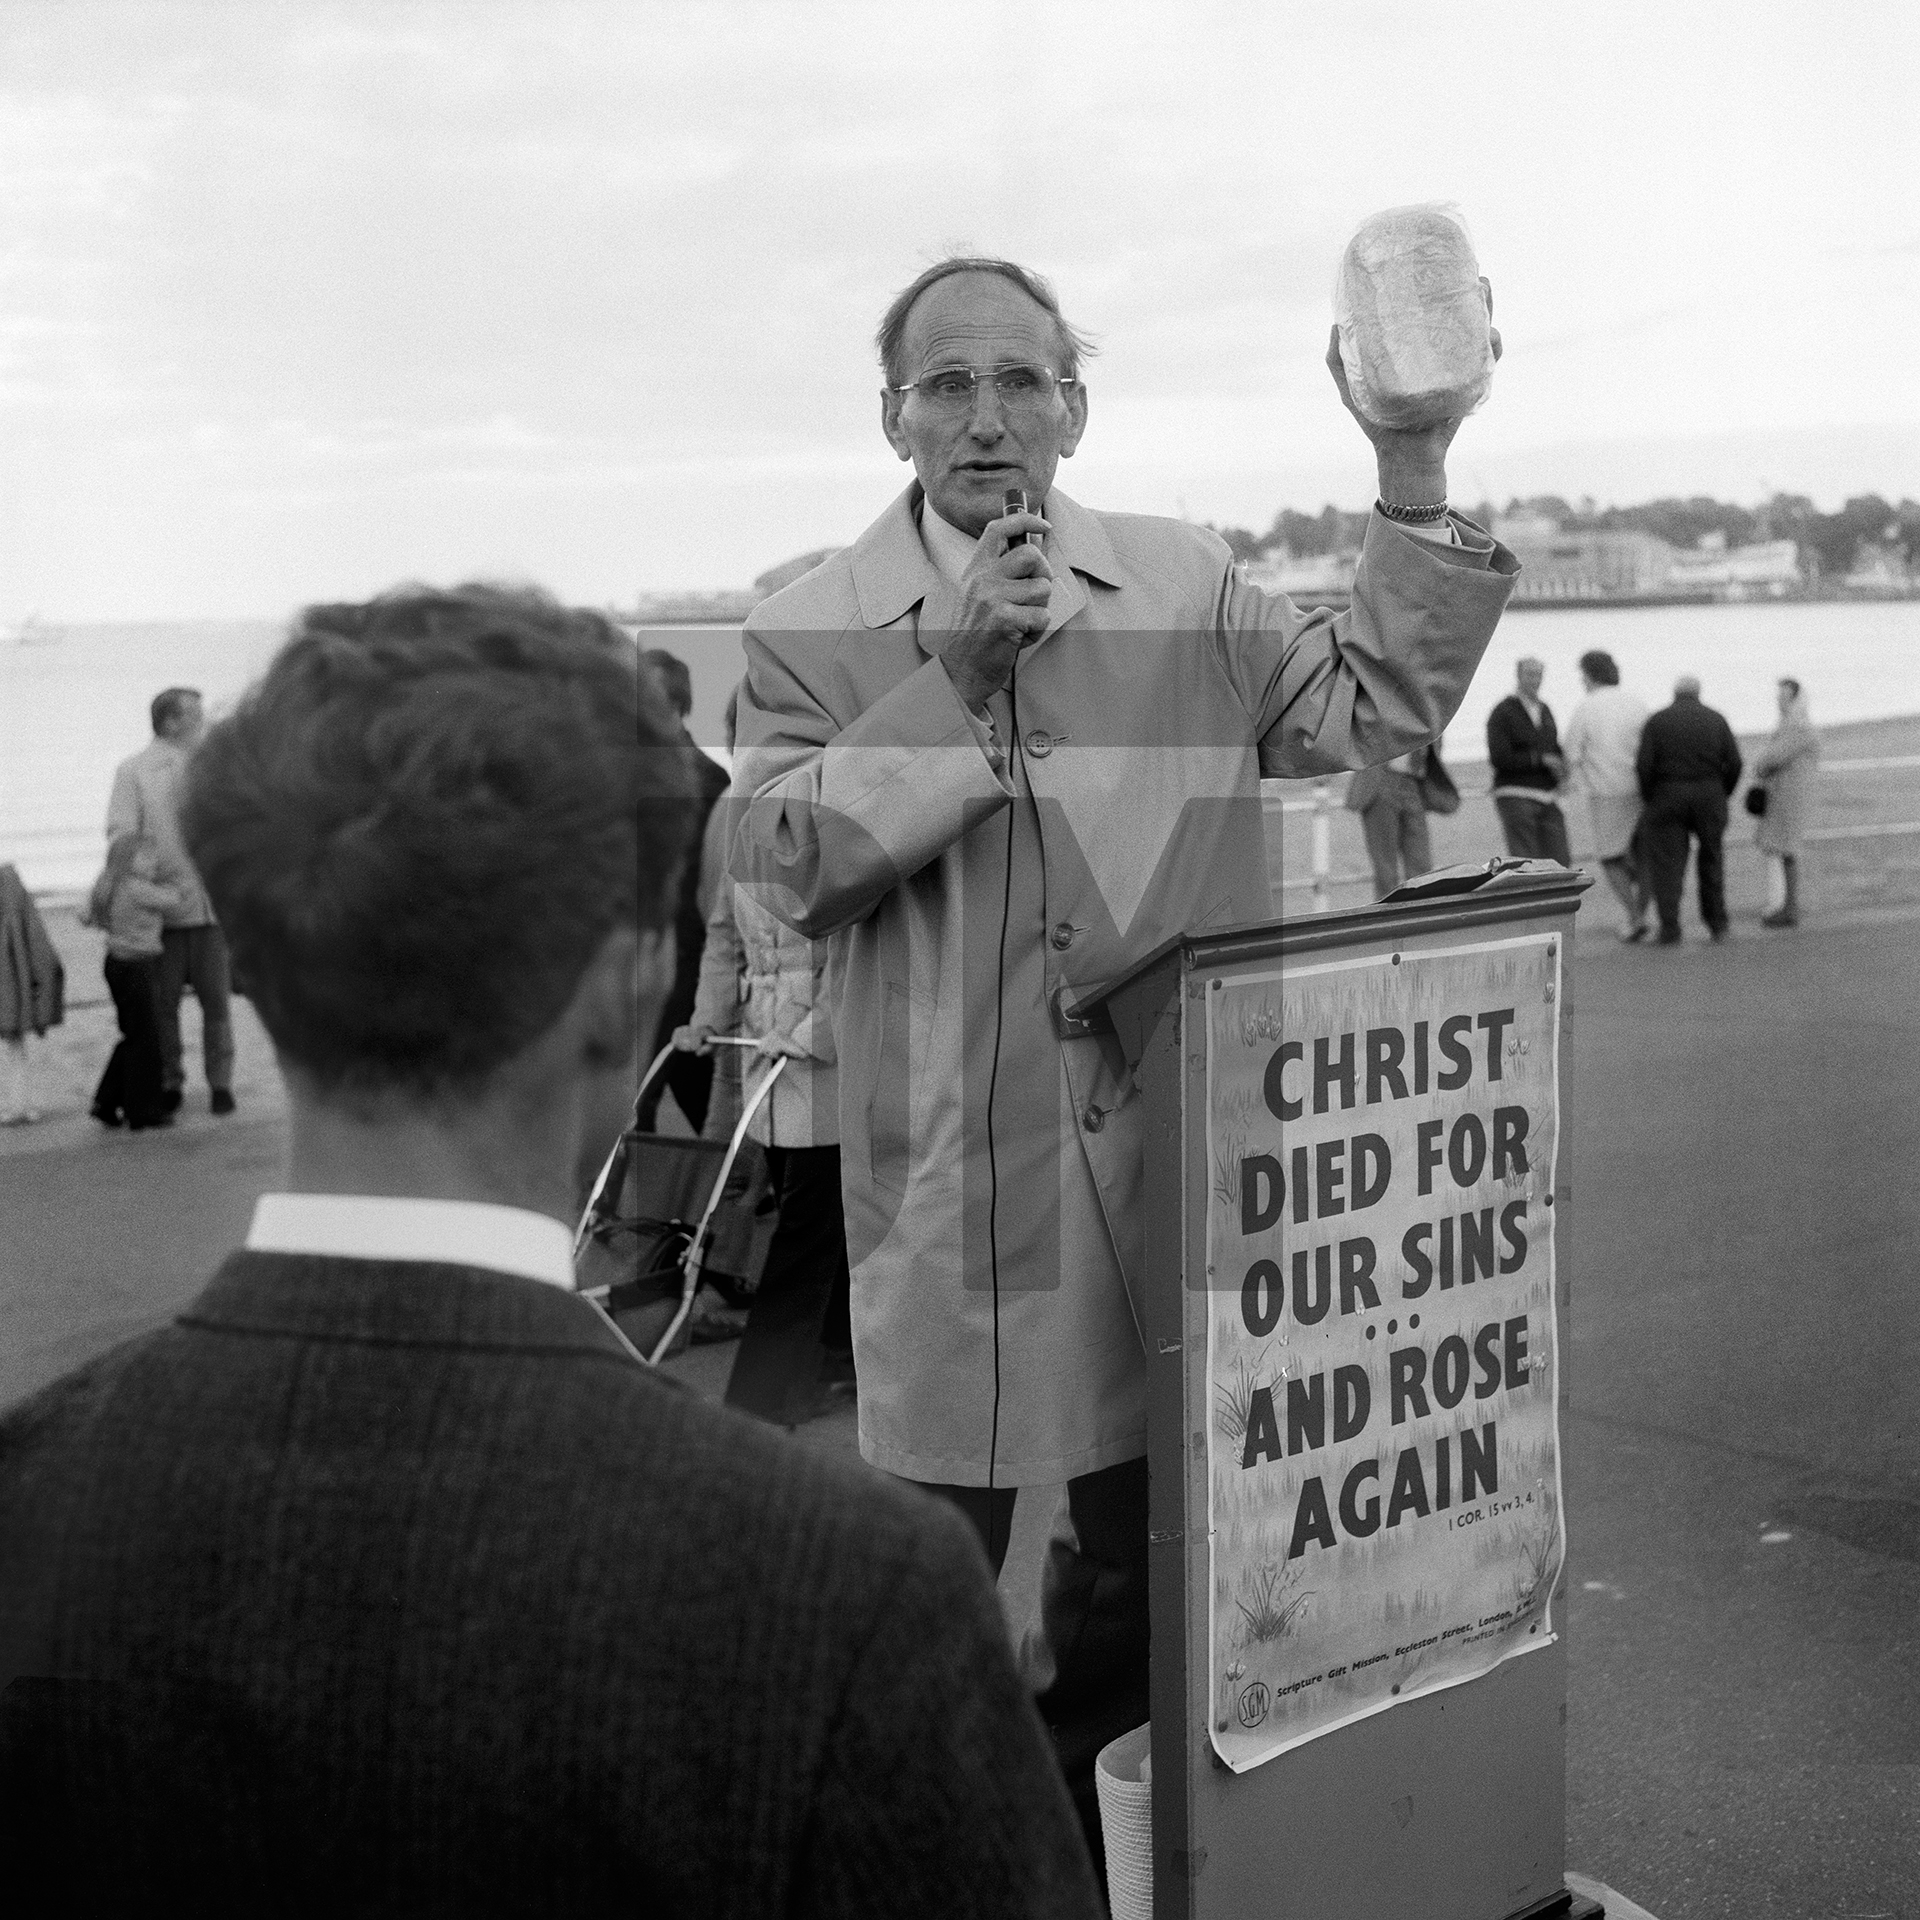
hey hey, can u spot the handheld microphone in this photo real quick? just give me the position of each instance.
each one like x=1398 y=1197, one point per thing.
x=1015 y=501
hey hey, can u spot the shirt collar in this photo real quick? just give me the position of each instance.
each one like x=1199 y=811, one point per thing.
x=893 y=570
x=949 y=549
x=456 y=1233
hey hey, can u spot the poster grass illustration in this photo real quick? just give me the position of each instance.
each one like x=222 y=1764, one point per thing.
x=1383 y=1457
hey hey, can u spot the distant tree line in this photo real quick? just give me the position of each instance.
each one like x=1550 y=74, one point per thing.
x=1828 y=540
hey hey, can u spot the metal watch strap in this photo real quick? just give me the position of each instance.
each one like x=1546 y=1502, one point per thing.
x=1414 y=516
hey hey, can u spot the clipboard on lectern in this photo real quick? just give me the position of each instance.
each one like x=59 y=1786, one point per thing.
x=1357 y=1184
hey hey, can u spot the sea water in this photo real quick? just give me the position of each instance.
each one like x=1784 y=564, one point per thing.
x=73 y=702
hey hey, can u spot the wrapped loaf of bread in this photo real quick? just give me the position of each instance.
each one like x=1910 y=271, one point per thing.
x=1412 y=313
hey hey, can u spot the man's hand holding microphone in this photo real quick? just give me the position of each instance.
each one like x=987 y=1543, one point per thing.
x=1003 y=603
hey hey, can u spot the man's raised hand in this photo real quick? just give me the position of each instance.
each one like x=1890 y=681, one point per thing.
x=1412 y=461
x=1003 y=607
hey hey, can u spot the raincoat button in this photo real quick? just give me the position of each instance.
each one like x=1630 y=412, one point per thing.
x=1095 y=1119
x=1062 y=936
x=1039 y=744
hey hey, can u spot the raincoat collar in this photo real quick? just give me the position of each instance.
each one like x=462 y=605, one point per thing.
x=893 y=572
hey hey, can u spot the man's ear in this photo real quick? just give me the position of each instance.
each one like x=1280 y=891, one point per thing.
x=890 y=405
x=622 y=981
x=1076 y=419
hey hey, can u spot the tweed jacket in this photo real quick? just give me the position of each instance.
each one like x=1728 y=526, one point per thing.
x=32 y=977
x=393 y=1588
x=974 y=883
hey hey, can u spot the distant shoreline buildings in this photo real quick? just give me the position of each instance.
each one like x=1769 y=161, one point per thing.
x=1561 y=566
x=1588 y=566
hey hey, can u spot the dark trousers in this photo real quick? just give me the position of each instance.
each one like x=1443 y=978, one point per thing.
x=800 y=1307
x=1093 y=1616
x=1535 y=829
x=196 y=957
x=1675 y=815
x=1398 y=842
x=131 y=1085
x=688 y=1076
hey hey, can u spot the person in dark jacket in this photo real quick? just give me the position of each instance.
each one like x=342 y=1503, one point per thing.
x=688 y=1076
x=384 y=1580
x=1523 y=746
x=32 y=996
x=1689 y=763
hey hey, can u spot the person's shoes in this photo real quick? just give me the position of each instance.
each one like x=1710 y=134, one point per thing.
x=1668 y=937
x=170 y=1099
x=1719 y=935
x=1638 y=931
x=107 y=1116
x=1780 y=917
x=222 y=1101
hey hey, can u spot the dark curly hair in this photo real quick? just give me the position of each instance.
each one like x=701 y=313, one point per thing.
x=420 y=825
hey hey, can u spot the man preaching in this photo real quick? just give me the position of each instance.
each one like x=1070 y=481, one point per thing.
x=999 y=754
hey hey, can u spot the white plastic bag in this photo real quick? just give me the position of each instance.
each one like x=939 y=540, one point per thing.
x=1123 y=1780
x=1411 y=308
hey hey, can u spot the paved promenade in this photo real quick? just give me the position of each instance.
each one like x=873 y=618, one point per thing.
x=1743 y=1434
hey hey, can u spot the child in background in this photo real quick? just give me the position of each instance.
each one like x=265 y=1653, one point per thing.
x=129 y=900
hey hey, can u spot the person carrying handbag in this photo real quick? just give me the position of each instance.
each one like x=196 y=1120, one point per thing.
x=1783 y=790
x=1393 y=802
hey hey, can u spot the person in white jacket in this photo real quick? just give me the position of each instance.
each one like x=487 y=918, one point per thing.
x=1601 y=743
x=761 y=980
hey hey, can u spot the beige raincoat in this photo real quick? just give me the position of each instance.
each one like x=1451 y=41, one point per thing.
x=991 y=1157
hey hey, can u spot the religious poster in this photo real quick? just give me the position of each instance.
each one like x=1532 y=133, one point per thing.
x=1383 y=1456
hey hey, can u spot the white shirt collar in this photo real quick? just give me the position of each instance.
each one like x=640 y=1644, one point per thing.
x=459 y=1233
x=947 y=547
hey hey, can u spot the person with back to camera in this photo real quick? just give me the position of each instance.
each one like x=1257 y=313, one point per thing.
x=1688 y=763
x=1602 y=746
x=131 y=900
x=1523 y=747
x=384 y=1580
x=996 y=756
x=193 y=951
x=1783 y=771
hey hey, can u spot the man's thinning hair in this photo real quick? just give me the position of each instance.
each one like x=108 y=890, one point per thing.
x=419 y=827
x=893 y=324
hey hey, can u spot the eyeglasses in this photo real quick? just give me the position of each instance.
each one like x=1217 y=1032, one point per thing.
x=1023 y=390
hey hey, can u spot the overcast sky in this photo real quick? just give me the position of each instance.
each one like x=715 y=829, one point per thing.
x=298 y=300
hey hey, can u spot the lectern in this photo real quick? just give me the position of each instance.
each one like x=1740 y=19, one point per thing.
x=1359 y=1255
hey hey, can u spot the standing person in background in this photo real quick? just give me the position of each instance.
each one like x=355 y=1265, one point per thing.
x=146 y=802
x=765 y=982
x=1392 y=805
x=1602 y=747
x=1689 y=762
x=131 y=901
x=32 y=991
x=1783 y=771
x=688 y=1075
x=1524 y=748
